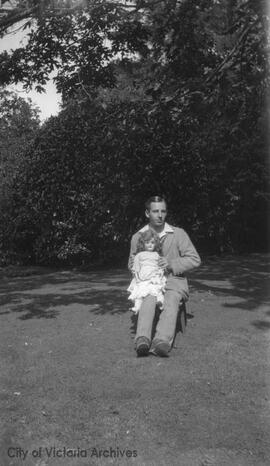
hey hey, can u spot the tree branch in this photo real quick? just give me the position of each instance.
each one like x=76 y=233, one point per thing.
x=241 y=39
x=15 y=17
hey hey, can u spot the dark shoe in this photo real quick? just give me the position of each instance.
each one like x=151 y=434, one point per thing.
x=142 y=346
x=161 y=348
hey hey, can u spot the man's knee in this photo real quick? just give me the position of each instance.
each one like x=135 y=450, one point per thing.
x=172 y=300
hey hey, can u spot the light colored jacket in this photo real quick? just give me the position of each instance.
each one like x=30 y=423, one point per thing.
x=181 y=255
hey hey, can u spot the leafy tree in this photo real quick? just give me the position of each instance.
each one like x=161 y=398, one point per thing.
x=76 y=40
x=86 y=177
x=220 y=97
x=14 y=11
x=180 y=112
x=19 y=121
x=67 y=198
x=192 y=46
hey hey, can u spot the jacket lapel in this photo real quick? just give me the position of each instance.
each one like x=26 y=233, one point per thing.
x=166 y=243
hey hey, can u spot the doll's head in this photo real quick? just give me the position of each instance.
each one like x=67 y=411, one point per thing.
x=149 y=241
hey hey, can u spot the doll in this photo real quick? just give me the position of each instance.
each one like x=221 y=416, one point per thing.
x=148 y=277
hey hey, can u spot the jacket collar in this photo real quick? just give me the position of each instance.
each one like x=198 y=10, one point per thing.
x=167 y=229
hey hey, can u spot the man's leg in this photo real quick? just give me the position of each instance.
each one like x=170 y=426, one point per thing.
x=146 y=317
x=165 y=331
x=144 y=325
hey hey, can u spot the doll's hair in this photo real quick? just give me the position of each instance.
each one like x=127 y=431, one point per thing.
x=147 y=236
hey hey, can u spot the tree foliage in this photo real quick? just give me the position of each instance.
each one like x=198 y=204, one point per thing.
x=76 y=41
x=90 y=169
x=174 y=103
x=19 y=122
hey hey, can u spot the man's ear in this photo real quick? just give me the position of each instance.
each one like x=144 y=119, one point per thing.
x=147 y=213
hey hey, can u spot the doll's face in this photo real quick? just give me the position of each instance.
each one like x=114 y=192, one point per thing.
x=149 y=245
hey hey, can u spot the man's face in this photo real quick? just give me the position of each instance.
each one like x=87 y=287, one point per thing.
x=157 y=214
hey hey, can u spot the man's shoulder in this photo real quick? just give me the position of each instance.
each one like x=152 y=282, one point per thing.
x=138 y=232
x=177 y=230
x=135 y=235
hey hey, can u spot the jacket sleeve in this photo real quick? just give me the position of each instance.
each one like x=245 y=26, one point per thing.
x=136 y=267
x=133 y=249
x=188 y=257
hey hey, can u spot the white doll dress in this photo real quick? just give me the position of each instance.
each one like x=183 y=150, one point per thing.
x=148 y=279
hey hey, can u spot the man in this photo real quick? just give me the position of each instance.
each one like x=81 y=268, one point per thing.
x=179 y=256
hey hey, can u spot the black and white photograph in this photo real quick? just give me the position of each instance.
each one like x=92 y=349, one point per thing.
x=134 y=232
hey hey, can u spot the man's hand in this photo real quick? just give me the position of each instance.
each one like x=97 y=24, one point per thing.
x=164 y=264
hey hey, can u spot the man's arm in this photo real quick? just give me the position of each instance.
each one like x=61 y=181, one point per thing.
x=132 y=253
x=188 y=256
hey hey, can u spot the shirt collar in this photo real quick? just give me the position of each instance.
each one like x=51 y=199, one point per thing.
x=167 y=229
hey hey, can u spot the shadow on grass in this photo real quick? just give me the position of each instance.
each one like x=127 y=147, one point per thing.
x=243 y=277
x=46 y=295
x=261 y=324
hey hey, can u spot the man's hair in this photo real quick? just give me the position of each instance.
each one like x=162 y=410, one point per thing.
x=154 y=199
x=147 y=236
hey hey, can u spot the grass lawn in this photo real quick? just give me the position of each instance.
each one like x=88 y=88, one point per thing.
x=74 y=393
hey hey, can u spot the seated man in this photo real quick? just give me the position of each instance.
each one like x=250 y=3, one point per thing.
x=178 y=256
